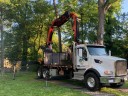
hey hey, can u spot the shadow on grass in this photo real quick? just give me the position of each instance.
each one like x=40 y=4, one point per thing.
x=80 y=83
x=65 y=80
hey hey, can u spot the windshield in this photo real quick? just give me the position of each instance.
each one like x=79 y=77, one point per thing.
x=97 y=50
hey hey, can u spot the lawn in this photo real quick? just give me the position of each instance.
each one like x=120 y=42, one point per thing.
x=117 y=92
x=25 y=84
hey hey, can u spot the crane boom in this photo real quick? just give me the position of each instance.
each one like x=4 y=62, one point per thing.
x=60 y=21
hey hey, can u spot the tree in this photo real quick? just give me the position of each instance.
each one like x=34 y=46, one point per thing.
x=103 y=6
x=59 y=34
x=2 y=25
x=30 y=20
x=115 y=38
x=89 y=13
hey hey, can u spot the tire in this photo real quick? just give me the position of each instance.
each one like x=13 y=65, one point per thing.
x=115 y=85
x=39 y=73
x=45 y=74
x=92 y=82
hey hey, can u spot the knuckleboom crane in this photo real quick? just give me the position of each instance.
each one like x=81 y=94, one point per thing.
x=60 y=21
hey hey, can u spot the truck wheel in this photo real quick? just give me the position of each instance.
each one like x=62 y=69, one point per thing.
x=45 y=74
x=39 y=73
x=115 y=85
x=92 y=82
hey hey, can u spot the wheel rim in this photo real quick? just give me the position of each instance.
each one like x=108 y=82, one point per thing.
x=45 y=74
x=91 y=82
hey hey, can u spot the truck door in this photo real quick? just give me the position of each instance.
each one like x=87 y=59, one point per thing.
x=82 y=60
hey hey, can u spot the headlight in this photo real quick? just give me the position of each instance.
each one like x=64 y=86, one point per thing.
x=108 y=72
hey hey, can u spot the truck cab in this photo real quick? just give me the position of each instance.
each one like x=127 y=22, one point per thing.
x=96 y=67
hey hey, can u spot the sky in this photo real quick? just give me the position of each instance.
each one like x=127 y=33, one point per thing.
x=124 y=6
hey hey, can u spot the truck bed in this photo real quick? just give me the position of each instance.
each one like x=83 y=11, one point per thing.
x=57 y=60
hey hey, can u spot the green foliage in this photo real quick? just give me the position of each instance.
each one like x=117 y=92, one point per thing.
x=55 y=44
x=88 y=15
x=89 y=19
x=116 y=34
x=116 y=5
x=30 y=22
x=70 y=5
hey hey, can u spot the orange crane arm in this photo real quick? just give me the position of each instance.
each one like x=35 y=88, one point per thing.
x=60 y=21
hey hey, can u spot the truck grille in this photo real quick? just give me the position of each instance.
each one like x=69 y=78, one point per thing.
x=121 y=67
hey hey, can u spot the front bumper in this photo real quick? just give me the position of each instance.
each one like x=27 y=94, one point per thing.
x=109 y=80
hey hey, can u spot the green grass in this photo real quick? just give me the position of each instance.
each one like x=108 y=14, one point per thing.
x=104 y=89
x=115 y=91
x=25 y=84
x=125 y=85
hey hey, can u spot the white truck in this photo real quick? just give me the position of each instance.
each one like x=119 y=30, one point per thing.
x=90 y=63
x=96 y=67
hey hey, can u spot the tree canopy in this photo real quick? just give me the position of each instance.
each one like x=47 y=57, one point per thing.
x=27 y=21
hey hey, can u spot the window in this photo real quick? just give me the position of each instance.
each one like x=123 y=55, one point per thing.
x=82 y=52
x=97 y=50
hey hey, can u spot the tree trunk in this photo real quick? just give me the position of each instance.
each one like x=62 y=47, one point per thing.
x=2 y=50
x=59 y=34
x=25 y=48
x=2 y=43
x=56 y=12
x=101 y=13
